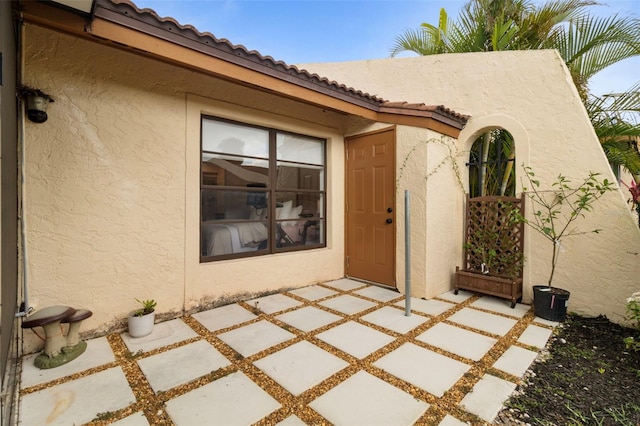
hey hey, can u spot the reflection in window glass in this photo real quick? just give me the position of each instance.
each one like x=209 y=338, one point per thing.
x=252 y=204
x=296 y=176
x=228 y=138
x=300 y=149
x=225 y=170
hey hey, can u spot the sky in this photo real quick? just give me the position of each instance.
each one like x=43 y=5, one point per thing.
x=306 y=31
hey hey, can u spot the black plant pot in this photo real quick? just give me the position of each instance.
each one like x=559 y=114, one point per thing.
x=550 y=303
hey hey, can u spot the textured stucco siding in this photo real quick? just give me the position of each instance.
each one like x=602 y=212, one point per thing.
x=112 y=184
x=531 y=95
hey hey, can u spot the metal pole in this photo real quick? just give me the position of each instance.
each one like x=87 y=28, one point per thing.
x=407 y=256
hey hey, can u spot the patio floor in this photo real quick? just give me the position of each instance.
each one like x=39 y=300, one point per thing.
x=342 y=353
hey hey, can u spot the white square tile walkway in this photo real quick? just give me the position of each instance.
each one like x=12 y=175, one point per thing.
x=341 y=352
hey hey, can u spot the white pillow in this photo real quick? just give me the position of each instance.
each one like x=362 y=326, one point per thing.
x=285 y=211
x=295 y=213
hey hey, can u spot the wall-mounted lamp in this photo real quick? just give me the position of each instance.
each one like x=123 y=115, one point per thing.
x=36 y=103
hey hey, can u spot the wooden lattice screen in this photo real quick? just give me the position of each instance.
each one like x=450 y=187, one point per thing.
x=494 y=236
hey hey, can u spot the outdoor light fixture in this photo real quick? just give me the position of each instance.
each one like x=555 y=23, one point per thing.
x=36 y=103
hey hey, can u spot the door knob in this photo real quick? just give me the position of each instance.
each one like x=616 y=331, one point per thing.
x=390 y=210
x=389 y=220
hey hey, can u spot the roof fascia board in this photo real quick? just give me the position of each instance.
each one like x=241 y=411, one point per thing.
x=420 y=121
x=168 y=51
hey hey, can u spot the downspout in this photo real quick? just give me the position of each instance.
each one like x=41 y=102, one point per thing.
x=25 y=309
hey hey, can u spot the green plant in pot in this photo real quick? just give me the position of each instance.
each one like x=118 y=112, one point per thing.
x=554 y=213
x=141 y=320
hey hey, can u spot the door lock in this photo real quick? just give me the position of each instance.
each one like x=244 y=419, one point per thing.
x=390 y=210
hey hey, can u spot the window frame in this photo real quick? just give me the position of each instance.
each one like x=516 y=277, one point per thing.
x=271 y=191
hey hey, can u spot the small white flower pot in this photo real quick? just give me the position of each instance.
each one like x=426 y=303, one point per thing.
x=141 y=326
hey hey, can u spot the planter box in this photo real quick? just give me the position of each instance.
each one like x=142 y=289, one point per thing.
x=506 y=288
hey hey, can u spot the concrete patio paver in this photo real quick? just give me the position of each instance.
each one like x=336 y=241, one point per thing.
x=487 y=396
x=378 y=293
x=431 y=306
x=483 y=321
x=388 y=318
x=355 y=339
x=164 y=334
x=364 y=399
x=185 y=363
x=515 y=361
x=535 y=336
x=348 y=304
x=98 y=352
x=341 y=352
x=253 y=338
x=300 y=366
x=274 y=303
x=223 y=317
x=230 y=400
x=458 y=341
x=308 y=318
x=77 y=401
x=442 y=373
x=314 y=292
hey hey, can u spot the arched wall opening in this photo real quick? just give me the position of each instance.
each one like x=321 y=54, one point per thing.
x=481 y=136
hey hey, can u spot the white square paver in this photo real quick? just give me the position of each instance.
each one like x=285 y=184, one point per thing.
x=185 y=364
x=546 y=322
x=426 y=369
x=515 y=361
x=78 y=401
x=355 y=339
x=223 y=317
x=136 y=419
x=274 y=303
x=378 y=293
x=345 y=284
x=535 y=336
x=458 y=341
x=163 y=334
x=308 y=318
x=487 y=397
x=449 y=420
x=455 y=298
x=501 y=306
x=363 y=399
x=230 y=400
x=300 y=366
x=98 y=353
x=348 y=305
x=394 y=319
x=253 y=338
x=429 y=307
x=314 y=292
x=490 y=323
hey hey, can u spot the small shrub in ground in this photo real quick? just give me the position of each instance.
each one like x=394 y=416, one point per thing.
x=633 y=314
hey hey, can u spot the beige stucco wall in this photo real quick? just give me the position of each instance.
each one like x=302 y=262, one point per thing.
x=112 y=184
x=531 y=95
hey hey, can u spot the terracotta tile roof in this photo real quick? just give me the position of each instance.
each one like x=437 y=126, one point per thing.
x=420 y=109
x=126 y=13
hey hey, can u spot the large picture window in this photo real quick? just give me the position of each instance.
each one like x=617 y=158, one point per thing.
x=261 y=190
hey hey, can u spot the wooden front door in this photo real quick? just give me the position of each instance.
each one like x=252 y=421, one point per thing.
x=370 y=201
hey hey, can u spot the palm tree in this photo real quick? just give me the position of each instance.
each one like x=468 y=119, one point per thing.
x=587 y=44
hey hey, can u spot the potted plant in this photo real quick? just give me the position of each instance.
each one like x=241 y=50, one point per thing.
x=142 y=319
x=553 y=217
x=493 y=248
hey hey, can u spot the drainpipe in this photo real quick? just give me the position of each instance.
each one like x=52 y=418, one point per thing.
x=25 y=309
